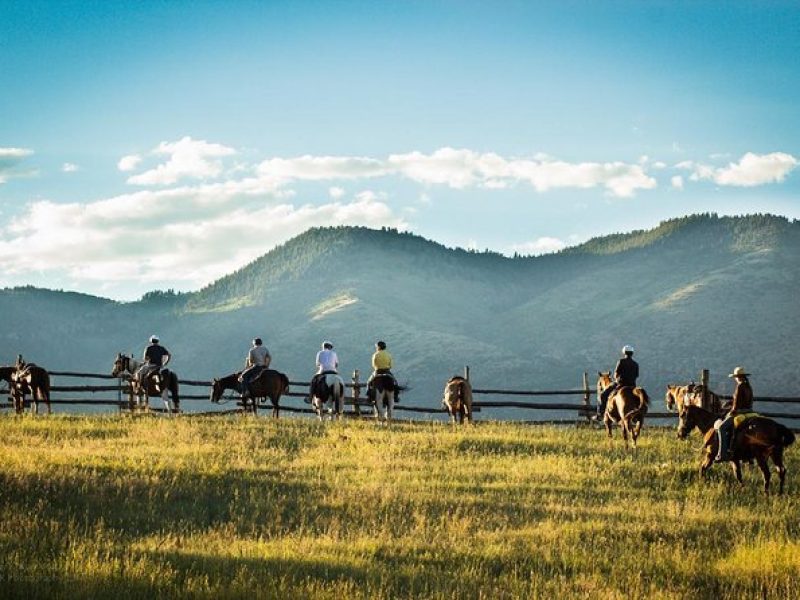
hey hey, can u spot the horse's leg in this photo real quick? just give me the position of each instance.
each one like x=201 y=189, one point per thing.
x=737 y=471
x=777 y=458
x=706 y=463
x=389 y=406
x=46 y=397
x=165 y=399
x=34 y=401
x=764 y=466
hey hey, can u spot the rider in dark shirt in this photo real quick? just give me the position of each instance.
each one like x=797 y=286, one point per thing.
x=625 y=375
x=155 y=357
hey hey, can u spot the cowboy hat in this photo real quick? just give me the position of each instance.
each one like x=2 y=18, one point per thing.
x=739 y=372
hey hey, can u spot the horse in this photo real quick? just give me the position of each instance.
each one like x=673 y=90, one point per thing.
x=329 y=388
x=626 y=406
x=5 y=375
x=29 y=379
x=384 y=390
x=457 y=399
x=756 y=438
x=678 y=396
x=161 y=385
x=269 y=383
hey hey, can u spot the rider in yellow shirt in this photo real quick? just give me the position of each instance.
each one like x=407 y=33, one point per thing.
x=381 y=365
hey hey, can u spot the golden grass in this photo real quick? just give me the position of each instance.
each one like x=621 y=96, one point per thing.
x=110 y=507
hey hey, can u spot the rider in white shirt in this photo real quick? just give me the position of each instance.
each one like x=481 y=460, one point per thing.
x=327 y=364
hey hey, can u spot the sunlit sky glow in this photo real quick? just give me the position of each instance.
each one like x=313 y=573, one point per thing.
x=150 y=145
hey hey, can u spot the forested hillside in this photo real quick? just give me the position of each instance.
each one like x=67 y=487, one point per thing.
x=697 y=292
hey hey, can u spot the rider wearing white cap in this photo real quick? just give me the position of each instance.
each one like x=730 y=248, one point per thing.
x=155 y=357
x=625 y=375
x=327 y=363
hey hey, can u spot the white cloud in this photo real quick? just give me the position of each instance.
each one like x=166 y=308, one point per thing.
x=677 y=182
x=542 y=245
x=321 y=168
x=187 y=235
x=751 y=170
x=70 y=167
x=188 y=158
x=336 y=193
x=129 y=163
x=462 y=168
x=9 y=159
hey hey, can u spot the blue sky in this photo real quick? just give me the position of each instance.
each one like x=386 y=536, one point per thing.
x=162 y=144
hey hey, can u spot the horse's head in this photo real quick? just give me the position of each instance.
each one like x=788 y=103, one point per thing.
x=453 y=395
x=121 y=365
x=216 y=390
x=670 y=397
x=684 y=423
x=603 y=380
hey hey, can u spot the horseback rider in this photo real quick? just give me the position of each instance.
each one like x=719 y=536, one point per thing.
x=625 y=375
x=155 y=358
x=381 y=365
x=327 y=364
x=258 y=359
x=742 y=403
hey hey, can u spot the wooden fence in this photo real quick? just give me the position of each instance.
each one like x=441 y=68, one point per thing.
x=583 y=408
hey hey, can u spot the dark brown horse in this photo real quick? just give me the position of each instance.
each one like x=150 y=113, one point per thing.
x=626 y=406
x=158 y=385
x=5 y=375
x=757 y=438
x=34 y=380
x=457 y=399
x=267 y=384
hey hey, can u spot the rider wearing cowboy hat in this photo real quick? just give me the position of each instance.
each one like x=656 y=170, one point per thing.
x=625 y=375
x=742 y=403
x=155 y=357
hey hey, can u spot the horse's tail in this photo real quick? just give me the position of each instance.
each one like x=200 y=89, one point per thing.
x=787 y=435
x=285 y=382
x=639 y=411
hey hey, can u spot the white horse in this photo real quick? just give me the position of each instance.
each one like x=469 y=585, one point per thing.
x=384 y=394
x=332 y=391
x=126 y=366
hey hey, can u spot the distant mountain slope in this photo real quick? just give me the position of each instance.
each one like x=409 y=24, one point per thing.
x=699 y=291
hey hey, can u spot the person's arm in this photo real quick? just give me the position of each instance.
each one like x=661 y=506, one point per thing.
x=267 y=358
x=618 y=371
x=374 y=362
x=165 y=358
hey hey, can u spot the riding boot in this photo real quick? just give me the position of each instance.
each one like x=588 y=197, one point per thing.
x=724 y=435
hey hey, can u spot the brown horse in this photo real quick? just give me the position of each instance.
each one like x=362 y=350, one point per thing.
x=269 y=383
x=30 y=379
x=457 y=399
x=757 y=438
x=626 y=406
x=158 y=385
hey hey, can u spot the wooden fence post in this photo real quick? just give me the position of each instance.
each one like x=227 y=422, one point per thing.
x=587 y=410
x=706 y=399
x=356 y=393
x=466 y=373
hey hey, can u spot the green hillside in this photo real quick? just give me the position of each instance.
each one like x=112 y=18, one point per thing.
x=697 y=292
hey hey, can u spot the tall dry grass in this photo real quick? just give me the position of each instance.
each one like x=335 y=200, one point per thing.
x=109 y=507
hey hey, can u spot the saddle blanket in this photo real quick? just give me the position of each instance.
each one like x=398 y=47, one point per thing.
x=738 y=420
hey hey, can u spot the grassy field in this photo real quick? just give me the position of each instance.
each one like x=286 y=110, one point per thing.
x=111 y=507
